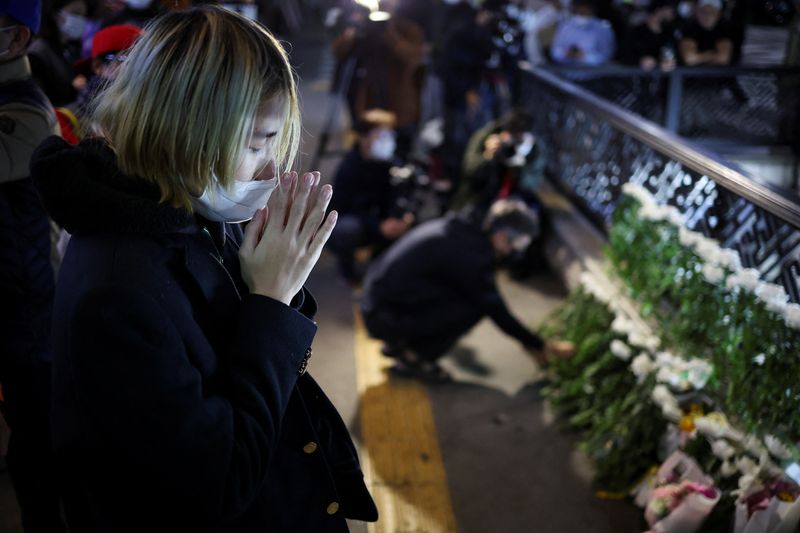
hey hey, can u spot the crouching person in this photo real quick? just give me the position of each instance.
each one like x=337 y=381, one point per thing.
x=438 y=281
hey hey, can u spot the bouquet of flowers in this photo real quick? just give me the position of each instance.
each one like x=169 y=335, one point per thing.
x=770 y=508
x=681 y=507
x=682 y=498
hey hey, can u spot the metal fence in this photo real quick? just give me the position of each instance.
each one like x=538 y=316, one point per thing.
x=740 y=105
x=596 y=146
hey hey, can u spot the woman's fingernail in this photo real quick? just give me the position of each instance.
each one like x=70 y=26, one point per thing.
x=327 y=192
x=309 y=179
x=333 y=217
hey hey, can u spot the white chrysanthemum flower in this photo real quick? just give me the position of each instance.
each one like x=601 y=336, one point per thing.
x=708 y=249
x=727 y=469
x=791 y=315
x=747 y=466
x=713 y=274
x=671 y=412
x=642 y=365
x=638 y=338
x=698 y=373
x=710 y=427
x=777 y=448
x=774 y=296
x=669 y=405
x=652 y=212
x=621 y=350
x=622 y=325
x=688 y=237
x=753 y=446
x=747 y=279
x=665 y=359
x=747 y=481
x=666 y=375
x=730 y=259
x=722 y=449
x=639 y=193
x=674 y=216
x=652 y=343
x=662 y=395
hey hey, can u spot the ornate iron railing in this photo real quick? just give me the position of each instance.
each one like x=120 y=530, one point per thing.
x=739 y=105
x=595 y=147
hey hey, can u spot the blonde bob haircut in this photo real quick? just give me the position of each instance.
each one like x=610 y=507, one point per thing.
x=182 y=108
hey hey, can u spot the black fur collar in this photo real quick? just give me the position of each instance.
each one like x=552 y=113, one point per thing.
x=85 y=192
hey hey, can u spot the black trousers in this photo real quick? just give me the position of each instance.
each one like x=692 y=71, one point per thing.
x=429 y=332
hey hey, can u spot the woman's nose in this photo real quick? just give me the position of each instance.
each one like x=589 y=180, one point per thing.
x=267 y=172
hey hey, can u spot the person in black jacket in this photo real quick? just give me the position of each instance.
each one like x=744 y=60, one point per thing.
x=365 y=199
x=438 y=281
x=26 y=275
x=181 y=397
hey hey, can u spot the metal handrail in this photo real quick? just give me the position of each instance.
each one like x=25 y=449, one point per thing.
x=783 y=204
x=686 y=72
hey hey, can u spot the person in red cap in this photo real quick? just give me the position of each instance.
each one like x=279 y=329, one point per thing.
x=108 y=51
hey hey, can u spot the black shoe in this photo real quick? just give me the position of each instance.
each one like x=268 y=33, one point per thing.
x=427 y=371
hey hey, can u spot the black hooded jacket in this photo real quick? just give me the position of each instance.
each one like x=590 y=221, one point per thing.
x=178 y=398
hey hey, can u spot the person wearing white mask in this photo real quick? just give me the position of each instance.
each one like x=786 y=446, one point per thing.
x=55 y=50
x=181 y=340
x=26 y=275
x=368 y=211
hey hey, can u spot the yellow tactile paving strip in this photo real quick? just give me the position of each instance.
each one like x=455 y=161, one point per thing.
x=400 y=453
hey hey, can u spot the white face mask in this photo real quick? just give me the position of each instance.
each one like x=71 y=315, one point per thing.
x=138 y=4
x=72 y=26
x=523 y=149
x=383 y=146
x=237 y=204
x=7 y=50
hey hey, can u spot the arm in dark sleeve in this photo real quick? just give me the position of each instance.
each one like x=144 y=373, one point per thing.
x=206 y=451
x=496 y=309
x=480 y=283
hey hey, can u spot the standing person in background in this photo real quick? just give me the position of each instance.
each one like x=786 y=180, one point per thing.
x=26 y=277
x=583 y=39
x=389 y=56
x=540 y=22
x=108 y=52
x=181 y=397
x=54 y=52
x=365 y=199
x=653 y=43
x=707 y=39
x=461 y=63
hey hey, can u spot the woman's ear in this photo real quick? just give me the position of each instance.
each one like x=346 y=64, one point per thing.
x=20 y=41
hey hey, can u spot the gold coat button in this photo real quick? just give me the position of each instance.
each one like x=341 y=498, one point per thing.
x=311 y=447
x=333 y=508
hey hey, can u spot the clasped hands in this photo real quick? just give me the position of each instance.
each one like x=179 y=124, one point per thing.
x=284 y=240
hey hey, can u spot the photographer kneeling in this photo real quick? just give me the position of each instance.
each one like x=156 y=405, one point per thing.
x=505 y=161
x=365 y=200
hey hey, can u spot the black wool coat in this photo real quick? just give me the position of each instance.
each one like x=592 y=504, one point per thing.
x=179 y=400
